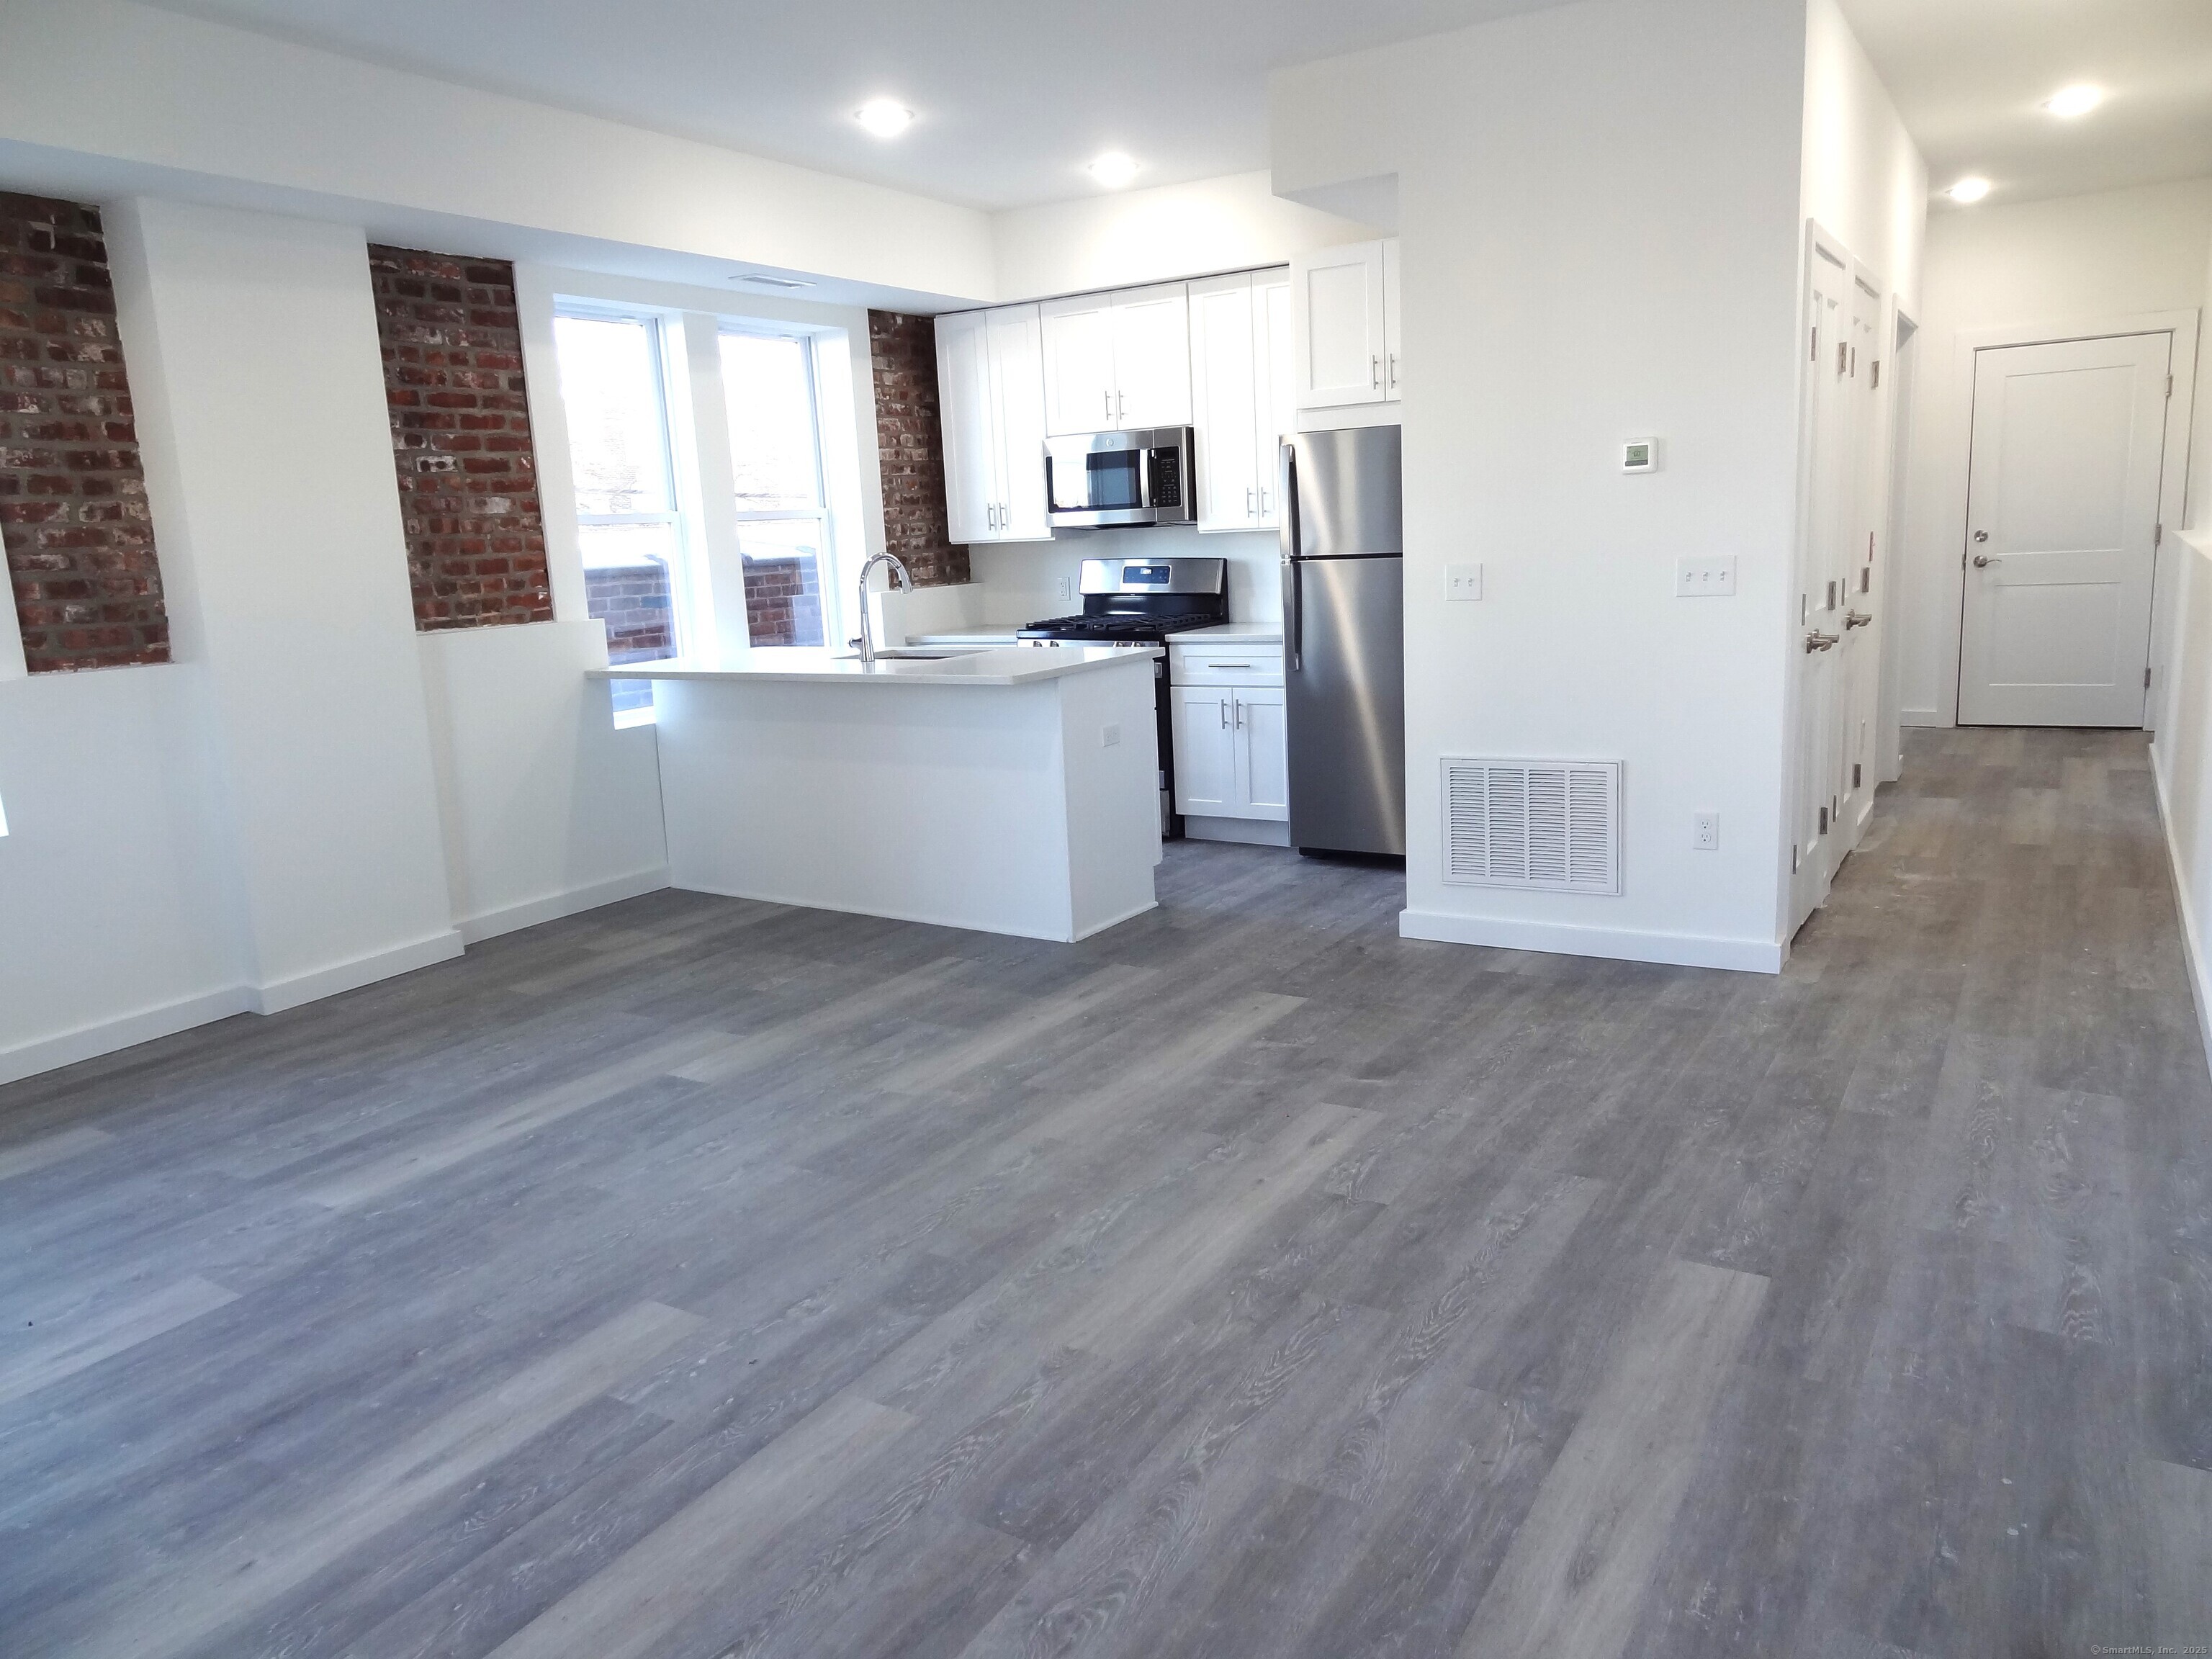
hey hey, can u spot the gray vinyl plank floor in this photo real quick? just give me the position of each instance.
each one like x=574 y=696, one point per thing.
x=697 y=1279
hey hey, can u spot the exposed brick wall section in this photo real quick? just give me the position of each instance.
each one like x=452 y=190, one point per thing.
x=910 y=447
x=73 y=512
x=460 y=431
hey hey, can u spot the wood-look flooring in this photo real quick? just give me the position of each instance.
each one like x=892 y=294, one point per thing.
x=698 y=1279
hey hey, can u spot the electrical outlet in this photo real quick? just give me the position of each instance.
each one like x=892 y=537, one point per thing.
x=1462 y=581
x=1706 y=837
x=1704 y=579
x=1108 y=736
x=1063 y=589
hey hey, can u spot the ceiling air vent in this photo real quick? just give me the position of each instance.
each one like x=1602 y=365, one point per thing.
x=1549 y=823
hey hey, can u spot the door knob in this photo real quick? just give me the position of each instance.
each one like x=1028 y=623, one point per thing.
x=1816 y=641
x=1983 y=561
x=1856 y=619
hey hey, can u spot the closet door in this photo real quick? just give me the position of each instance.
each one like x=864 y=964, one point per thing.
x=1225 y=377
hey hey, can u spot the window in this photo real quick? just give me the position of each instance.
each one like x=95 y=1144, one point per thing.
x=783 y=516
x=612 y=390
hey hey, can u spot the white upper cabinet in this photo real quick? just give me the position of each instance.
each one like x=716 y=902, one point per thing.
x=1240 y=370
x=1018 y=383
x=1116 y=361
x=1344 y=326
x=990 y=380
x=971 y=452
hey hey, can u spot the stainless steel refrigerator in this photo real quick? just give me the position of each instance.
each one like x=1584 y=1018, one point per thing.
x=1343 y=639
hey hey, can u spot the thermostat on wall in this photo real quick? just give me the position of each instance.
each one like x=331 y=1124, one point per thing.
x=1640 y=455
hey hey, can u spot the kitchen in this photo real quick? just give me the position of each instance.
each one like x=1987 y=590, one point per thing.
x=1131 y=433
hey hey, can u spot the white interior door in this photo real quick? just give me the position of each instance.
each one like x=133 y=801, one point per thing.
x=964 y=405
x=1018 y=377
x=2062 y=526
x=1078 y=364
x=1223 y=377
x=1275 y=385
x=1336 y=296
x=1825 y=517
x=1152 y=356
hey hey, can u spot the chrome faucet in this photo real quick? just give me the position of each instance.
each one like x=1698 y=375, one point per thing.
x=866 y=645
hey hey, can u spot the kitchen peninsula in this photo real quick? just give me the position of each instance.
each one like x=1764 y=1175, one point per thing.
x=1012 y=791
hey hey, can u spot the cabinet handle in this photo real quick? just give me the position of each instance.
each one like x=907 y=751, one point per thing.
x=1109 y=397
x=991 y=514
x=1375 y=373
x=1239 y=702
x=1121 y=408
x=1229 y=665
x=1224 y=714
x=1006 y=516
x=1248 y=494
x=1394 y=371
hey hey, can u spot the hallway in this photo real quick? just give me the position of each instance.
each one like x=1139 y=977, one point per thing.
x=695 y=1278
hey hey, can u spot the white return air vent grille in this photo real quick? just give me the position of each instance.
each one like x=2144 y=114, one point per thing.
x=1548 y=823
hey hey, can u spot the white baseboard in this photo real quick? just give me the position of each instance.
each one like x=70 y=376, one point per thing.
x=276 y=996
x=490 y=924
x=1252 y=832
x=90 y=1041
x=1747 y=956
x=2192 y=938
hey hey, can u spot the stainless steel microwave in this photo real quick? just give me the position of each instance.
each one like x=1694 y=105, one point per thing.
x=1099 y=479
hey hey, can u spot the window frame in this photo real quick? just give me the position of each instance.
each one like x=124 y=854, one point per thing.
x=809 y=340
x=683 y=586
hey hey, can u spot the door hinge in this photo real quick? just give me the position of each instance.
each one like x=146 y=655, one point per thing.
x=1823 y=820
x=2158 y=535
x=2146 y=679
x=1875 y=384
x=2169 y=385
x=1855 y=775
x=1843 y=358
x=1793 y=858
x=1816 y=342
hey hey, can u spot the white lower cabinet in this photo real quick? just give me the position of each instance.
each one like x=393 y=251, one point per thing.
x=1232 y=759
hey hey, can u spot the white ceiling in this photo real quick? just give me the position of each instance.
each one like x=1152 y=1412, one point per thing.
x=1967 y=76
x=1012 y=96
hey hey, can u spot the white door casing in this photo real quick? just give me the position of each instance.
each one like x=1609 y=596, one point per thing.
x=2062 y=511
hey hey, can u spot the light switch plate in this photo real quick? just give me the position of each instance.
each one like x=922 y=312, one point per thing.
x=1462 y=581
x=1704 y=579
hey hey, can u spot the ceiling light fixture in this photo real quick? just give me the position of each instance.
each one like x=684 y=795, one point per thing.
x=884 y=117
x=2074 y=100
x=1968 y=190
x=1114 y=169
x=763 y=280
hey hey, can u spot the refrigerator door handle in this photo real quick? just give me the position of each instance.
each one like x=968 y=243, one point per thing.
x=1289 y=534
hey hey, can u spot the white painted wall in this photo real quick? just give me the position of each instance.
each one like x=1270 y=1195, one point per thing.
x=2050 y=267
x=1599 y=213
x=220 y=114
x=117 y=915
x=260 y=389
x=548 y=809
x=1863 y=178
x=2182 y=755
x=1125 y=238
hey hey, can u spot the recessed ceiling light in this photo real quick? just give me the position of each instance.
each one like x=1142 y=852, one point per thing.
x=1114 y=169
x=1968 y=190
x=884 y=117
x=2074 y=100
x=761 y=278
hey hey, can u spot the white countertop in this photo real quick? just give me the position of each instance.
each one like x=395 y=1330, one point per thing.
x=1009 y=665
x=1232 y=634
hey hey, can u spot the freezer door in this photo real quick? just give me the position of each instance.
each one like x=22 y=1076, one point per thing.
x=1343 y=489
x=1345 y=704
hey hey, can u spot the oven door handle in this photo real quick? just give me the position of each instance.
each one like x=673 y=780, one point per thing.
x=1288 y=461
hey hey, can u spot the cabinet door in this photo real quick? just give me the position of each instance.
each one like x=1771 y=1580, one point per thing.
x=1390 y=319
x=1336 y=298
x=1272 y=386
x=1152 y=356
x=1205 y=751
x=1078 y=339
x=964 y=403
x=1263 y=755
x=1018 y=377
x=1225 y=411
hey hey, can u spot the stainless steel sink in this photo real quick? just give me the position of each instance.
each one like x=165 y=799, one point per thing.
x=902 y=654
